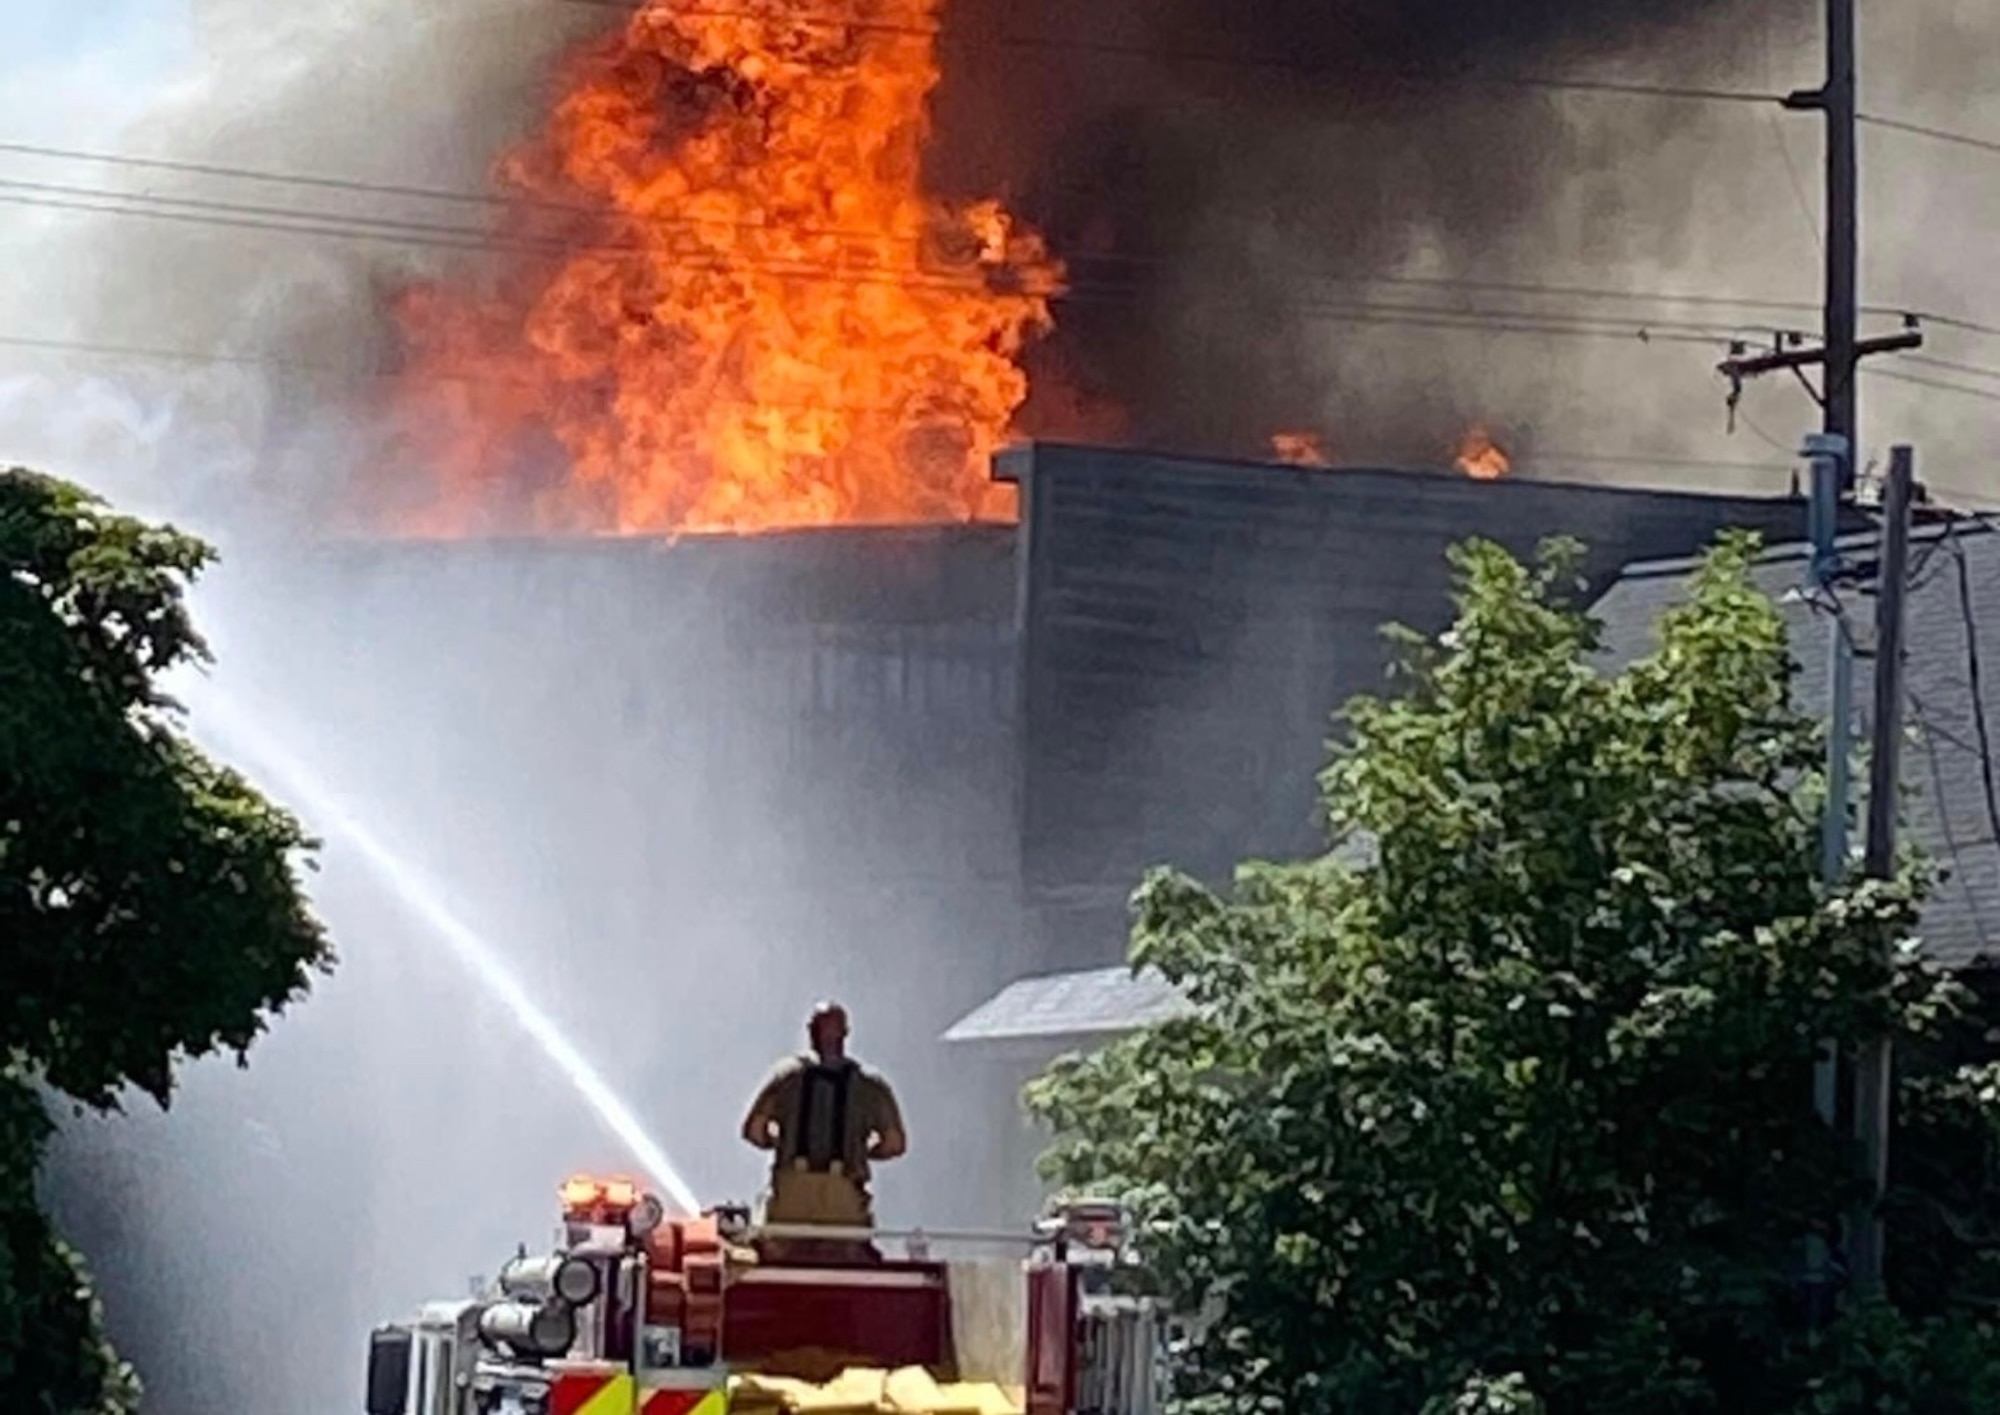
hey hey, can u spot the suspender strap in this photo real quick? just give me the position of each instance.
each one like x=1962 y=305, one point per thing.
x=830 y=1083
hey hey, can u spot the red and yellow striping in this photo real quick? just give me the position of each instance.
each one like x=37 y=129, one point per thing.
x=684 y=1402
x=620 y=1394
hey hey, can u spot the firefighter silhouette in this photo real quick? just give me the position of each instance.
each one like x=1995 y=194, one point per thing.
x=827 y=1119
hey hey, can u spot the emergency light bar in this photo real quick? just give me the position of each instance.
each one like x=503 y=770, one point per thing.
x=583 y=1191
x=617 y=1200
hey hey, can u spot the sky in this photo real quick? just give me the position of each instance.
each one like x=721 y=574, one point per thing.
x=59 y=60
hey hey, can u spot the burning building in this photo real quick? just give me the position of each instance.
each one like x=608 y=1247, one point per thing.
x=909 y=765
x=725 y=672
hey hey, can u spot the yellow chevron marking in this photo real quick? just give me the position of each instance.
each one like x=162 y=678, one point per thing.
x=614 y=1399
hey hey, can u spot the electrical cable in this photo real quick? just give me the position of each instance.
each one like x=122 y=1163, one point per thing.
x=1964 y=326
x=428 y=235
x=1798 y=186
x=1930 y=735
x=154 y=354
x=1525 y=289
x=1986 y=395
x=1898 y=125
x=1536 y=457
x=1115 y=49
x=1950 y=365
x=527 y=202
x=1937 y=729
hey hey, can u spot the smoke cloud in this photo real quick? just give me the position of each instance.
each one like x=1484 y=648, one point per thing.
x=1265 y=207
x=1263 y=223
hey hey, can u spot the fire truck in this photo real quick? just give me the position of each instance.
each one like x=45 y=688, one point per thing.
x=635 y=1312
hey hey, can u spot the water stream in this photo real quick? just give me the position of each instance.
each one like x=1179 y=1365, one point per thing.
x=251 y=745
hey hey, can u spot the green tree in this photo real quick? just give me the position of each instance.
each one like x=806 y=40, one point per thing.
x=1504 y=1105
x=150 y=902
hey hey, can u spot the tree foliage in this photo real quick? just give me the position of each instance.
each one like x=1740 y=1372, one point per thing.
x=1505 y=1104
x=150 y=905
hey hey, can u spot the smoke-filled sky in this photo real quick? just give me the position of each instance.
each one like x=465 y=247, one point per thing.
x=1270 y=233
x=1273 y=236
x=1254 y=244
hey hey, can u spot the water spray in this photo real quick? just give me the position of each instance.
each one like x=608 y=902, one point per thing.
x=325 y=815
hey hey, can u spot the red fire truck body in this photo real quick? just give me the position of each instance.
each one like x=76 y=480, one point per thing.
x=634 y=1313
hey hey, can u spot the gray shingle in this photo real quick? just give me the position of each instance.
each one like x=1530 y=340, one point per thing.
x=1098 y=1002
x=1947 y=811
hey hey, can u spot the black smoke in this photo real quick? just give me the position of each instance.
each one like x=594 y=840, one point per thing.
x=1230 y=179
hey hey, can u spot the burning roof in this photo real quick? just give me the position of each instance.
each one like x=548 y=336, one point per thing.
x=726 y=300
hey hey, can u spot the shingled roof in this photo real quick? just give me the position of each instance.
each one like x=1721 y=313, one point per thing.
x=1061 y=1007
x=1953 y=636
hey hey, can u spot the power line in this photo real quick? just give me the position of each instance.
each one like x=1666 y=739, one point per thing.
x=161 y=355
x=1987 y=395
x=253 y=174
x=1952 y=365
x=468 y=239
x=1936 y=728
x=345 y=231
x=1778 y=445
x=1525 y=289
x=1966 y=326
x=1798 y=186
x=1116 y=49
x=453 y=237
x=165 y=355
x=157 y=354
x=1931 y=735
x=1640 y=459
x=1962 y=500
x=465 y=239
x=1898 y=125
x=141 y=202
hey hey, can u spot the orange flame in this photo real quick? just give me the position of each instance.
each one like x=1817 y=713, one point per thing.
x=1300 y=449
x=1480 y=456
x=727 y=302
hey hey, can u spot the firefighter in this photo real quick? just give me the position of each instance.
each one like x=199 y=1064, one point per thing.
x=826 y=1119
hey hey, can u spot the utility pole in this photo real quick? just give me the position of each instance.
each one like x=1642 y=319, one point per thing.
x=1842 y=350
x=1837 y=460
x=1829 y=456
x=1843 y=234
x=1874 y=1060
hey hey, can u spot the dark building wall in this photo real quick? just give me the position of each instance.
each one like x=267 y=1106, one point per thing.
x=715 y=684
x=1190 y=628
x=758 y=770
x=688 y=787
